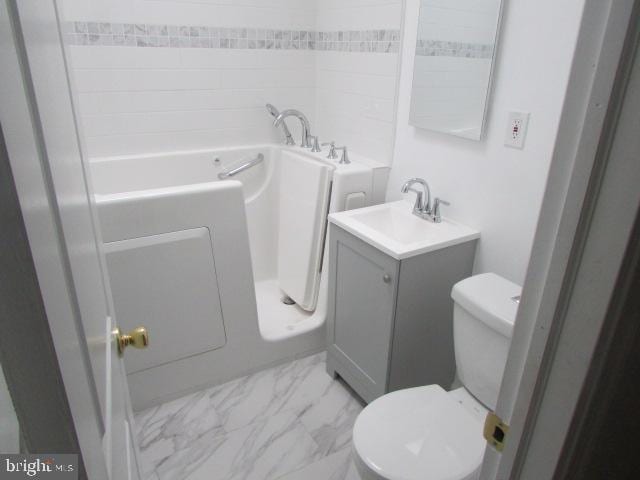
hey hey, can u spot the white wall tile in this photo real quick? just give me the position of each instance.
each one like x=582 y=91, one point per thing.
x=162 y=142
x=102 y=80
x=168 y=122
x=356 y=94
x=144 y=99
x=356 y=101
x=230 y=13
x=94 y=103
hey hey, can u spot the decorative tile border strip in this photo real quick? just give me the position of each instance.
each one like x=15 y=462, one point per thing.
x=439 y=48
x=380 y=41
x=183 y=36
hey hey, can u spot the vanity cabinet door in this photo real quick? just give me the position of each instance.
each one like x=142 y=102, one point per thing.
x=362 y=304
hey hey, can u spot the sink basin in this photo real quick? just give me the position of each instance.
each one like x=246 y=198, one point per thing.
x=394 y=229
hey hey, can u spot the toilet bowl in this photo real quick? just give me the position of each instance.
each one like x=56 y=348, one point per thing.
x=421 y=432
x=426 y=432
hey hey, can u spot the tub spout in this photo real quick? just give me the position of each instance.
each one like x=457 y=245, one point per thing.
x=305 y=143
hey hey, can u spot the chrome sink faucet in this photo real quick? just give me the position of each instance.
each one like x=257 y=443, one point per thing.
x=274 y=113
x=306 y=129
x=422 y=208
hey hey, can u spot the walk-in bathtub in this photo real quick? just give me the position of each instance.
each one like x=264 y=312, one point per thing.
x=201 y=262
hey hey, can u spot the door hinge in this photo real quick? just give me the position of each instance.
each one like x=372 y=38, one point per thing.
x=495 y=431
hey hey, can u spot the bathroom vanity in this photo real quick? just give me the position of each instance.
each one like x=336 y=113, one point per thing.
x=390 y=316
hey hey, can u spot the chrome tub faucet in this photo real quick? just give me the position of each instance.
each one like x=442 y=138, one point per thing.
x=306 y=128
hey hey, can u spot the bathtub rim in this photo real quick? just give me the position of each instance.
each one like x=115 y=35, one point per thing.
x=356 y=159
x=164 y=192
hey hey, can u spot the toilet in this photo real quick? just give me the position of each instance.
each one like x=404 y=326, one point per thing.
x=427 y=433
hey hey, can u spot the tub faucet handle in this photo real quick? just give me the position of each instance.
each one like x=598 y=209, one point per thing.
x=344 y=160
x=332 y=151
x=316 y=145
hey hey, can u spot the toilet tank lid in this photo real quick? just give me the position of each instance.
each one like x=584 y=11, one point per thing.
x=490 y=298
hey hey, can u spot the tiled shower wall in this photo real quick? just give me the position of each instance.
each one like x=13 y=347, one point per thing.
x=356 y=94
x=138 y=100
x=158 y=75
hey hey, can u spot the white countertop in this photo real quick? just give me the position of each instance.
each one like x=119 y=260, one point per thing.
x=396 y=231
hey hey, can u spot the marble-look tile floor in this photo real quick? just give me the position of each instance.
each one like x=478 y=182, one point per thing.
x=291 y=422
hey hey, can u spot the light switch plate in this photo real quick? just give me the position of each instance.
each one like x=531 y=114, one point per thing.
x=516 y=133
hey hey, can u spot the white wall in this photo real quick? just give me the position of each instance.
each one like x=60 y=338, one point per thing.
x=262 y=13
x=492 y=187
x=138 y=100
x=356 y=93
x=142 y=100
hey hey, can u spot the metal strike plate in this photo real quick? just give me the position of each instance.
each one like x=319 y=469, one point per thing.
x=495 y=431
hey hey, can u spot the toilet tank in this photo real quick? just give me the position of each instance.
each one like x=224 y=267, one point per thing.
x=484 y=312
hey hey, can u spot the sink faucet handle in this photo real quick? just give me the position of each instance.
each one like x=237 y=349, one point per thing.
x=436 y=209
x=316 y=146
x=332 y=151
x=345 y=156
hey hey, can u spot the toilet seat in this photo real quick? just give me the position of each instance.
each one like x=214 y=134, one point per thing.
x=419 y=433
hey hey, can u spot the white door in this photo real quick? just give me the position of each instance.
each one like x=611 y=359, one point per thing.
x=45 y=153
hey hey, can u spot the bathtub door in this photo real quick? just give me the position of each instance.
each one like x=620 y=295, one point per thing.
x=169 y=282
x=305 y=187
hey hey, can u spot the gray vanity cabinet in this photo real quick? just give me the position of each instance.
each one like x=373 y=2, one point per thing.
x=390 y=322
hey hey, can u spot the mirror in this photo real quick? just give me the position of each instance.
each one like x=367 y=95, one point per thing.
x=453 y=65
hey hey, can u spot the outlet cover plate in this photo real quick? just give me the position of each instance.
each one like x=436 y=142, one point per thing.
x=517 y=125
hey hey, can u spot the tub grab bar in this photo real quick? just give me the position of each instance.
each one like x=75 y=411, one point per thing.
x=241 y=168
